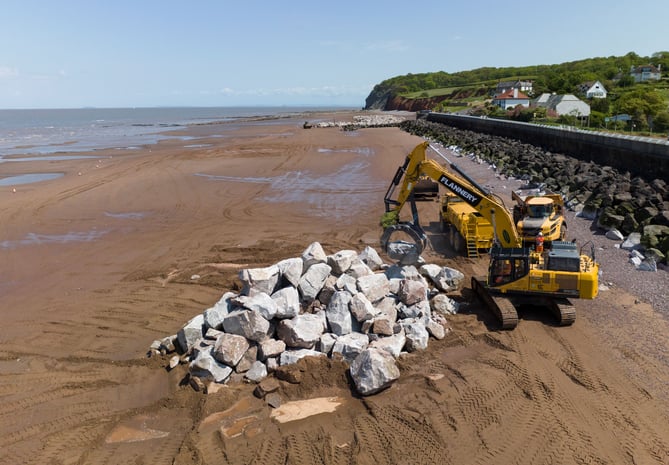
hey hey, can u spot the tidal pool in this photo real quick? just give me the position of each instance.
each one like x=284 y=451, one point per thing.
x=29 y=178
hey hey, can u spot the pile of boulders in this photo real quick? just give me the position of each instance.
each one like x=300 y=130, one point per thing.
x=613 y=200
x=347 y=305
x=364 y=121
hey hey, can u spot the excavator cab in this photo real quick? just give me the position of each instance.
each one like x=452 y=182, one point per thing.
x=507 y=265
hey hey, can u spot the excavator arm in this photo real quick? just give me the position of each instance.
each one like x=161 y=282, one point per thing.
x=417 y=167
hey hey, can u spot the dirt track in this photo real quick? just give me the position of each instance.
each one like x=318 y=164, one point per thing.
x=112 y=271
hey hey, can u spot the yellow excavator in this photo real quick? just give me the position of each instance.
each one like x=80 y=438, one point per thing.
x=517 y=275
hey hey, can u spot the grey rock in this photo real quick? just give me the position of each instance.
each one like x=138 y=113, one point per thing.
x=412 y=292
x=290 y=270
x=361 y=308
x=259 y=302
x=257 y=372
x=272 y=364
x=614 y=235
x=445 y=279
x=417 y=336
x=326 y=343
x=268 y=348
x=633 y=241
x=417 y=310
x=214 y=316
x=301 y=331
x=206 y=366
x=341 y=261
x=434 y=329
x=338 y=313
x=212 y=333
x=391 y=344
x=247 y=361
x=373 y=370
x=350 y=345
x=383 y=326
x=359 y=268
x=190 y=333
x=247 y=323
x=312 y=281
x=348 y=283
x=259 y=279
x=230 y=348
x=375 y=286
x=388 y=307
x=287 y=302
x=312 y=255
x=328 y=289
x=292 y=356
x=443 y=304
x=371 y=258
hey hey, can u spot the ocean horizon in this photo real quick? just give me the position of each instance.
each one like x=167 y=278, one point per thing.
x=49 y=131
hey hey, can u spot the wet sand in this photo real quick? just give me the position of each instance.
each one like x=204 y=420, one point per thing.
x=126 y=247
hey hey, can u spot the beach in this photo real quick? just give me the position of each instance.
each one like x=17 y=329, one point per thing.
x=126 y=246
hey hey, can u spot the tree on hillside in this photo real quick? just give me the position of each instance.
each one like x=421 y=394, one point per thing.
x=642 y=104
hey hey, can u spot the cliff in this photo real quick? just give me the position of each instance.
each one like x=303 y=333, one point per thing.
x=387 y=100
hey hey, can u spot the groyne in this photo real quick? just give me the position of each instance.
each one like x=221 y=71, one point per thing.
x=642 y=156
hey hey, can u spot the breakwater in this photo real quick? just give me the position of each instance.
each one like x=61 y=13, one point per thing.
x=642 y=156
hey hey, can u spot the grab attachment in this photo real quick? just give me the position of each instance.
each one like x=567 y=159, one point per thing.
x=400 y=249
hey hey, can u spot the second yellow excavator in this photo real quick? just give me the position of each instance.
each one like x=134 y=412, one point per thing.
x=517 y=275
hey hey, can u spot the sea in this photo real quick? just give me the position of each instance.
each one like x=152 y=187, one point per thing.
x=51 y=131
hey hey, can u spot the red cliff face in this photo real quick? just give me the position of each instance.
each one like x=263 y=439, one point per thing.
x=414 y=104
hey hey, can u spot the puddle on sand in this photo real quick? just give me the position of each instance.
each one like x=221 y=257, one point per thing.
x=128 y=215
x=39 y=239
x=366 y=151
x=48 y=158
x=29 y=178
x=331 y=195
x=196 y=146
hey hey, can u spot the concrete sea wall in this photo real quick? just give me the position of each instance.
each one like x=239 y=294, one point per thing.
x=646 y=157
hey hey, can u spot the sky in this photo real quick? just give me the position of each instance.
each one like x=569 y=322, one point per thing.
x=146 y=53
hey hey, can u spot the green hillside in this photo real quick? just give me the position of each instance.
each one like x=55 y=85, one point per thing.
x=471 y=92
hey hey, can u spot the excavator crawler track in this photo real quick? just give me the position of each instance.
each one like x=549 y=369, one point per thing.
x=501 y=306
x=563 y=310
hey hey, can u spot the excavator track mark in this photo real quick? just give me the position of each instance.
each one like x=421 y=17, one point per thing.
x=502 y=307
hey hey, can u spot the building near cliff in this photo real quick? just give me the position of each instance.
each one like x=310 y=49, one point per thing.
x=511 y=99
x=563 y=104
x=646 y=73
x=593 y=89
x=505 y=86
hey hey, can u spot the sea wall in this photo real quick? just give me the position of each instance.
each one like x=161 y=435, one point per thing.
x=646 y=157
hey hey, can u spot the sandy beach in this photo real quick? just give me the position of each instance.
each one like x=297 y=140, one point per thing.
x=125 y=247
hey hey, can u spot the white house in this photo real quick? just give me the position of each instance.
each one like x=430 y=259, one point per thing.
x=566 y=104
x=646 y=73
x=593 y=89
x=510 y=99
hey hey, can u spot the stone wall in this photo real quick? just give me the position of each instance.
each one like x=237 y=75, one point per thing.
x=640 y=156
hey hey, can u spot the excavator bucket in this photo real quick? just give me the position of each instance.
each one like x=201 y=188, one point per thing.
x=425 y=190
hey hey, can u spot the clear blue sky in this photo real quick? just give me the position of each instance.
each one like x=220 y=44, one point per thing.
x=120 y=53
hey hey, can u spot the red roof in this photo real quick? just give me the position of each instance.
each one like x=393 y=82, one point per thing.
x=509 y=95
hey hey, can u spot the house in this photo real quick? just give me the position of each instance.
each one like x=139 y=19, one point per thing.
x=523 y=86
x=646 y=73
x=510 y=99
x=566 y=104
x=593 y=89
